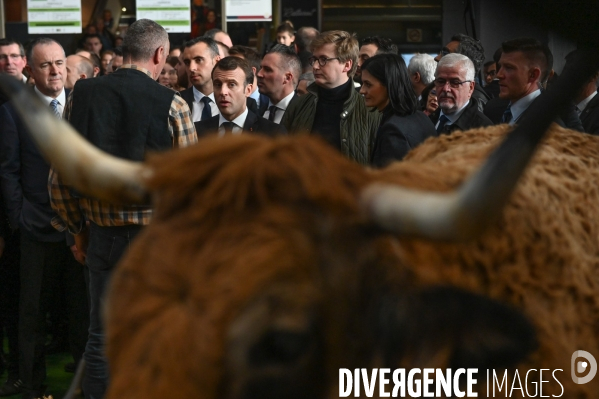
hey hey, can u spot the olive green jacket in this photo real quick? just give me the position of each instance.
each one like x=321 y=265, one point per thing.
x=358 y=123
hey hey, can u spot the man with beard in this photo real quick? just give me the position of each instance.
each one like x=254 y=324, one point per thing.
x=454 y=82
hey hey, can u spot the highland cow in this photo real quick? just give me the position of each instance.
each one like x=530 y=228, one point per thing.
x=271 y=264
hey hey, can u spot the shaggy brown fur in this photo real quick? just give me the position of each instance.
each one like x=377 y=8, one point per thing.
x=247 y=222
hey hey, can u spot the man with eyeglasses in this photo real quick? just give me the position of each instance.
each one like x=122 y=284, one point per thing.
x=332 y=109
x=473 y=49
x=454 y=83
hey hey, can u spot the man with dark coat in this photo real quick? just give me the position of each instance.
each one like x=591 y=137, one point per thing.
x=45 y=256
x=587 y=101
x=473 y=49
x=454 y=81
x=232 y=79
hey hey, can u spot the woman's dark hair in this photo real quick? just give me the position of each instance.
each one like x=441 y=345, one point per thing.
x=425 y=94
x=391 y=71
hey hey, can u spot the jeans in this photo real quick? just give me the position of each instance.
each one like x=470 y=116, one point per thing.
x=106 y=246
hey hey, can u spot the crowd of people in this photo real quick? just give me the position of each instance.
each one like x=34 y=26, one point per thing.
x=148 y=95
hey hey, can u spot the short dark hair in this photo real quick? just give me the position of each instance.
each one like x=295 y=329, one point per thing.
x=289 y=59
x=286 y=28
x=471 y=48
x=208 y=41
x=248 y=53
x=391 y=71
x=231 y=63
x=95 y=59
x=9 y=42
x=384 y=45
x=118 y=50
x=41 y=41
x=91 y=35
x=489 y=63
x=535 y=52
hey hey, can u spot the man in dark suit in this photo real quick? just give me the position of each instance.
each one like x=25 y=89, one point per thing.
x=45 y=256
x=587 y=101
x=454 y=82
x=524 y=65
x=232 y=78
x=279 y=73
x=199 y=56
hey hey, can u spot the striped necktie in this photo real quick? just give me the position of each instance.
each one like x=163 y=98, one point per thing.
x=54 y=108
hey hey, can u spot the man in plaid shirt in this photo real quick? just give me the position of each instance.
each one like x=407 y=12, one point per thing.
x=124 y=114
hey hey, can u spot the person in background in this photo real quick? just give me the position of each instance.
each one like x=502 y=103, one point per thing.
x=105 y=59
x=386 y=86
x=165 y=75
x=285 y=34
x=429 y=102
x=174 y=77
x=305 y=80
x=422 y=72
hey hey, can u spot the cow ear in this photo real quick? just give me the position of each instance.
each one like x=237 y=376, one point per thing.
x=470 y=330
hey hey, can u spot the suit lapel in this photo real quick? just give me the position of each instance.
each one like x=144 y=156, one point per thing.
x=250 y=121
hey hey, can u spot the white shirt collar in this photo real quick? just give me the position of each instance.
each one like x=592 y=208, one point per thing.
x=454 y=117
x=62 y=98
x=24 y=78
x=239 y=122
x=284 y=103
x=522 y=104
x=198 y=95
x=583 y=104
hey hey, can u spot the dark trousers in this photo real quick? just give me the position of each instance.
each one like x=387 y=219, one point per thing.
x=9 y=301
x=106 y=246
x=44 y=267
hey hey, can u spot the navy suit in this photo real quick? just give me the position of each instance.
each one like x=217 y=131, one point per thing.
x=253 y=124
x=46 y=260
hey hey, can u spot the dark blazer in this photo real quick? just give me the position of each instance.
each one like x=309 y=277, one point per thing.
x=492 y=89
x=568 y=119
x=590 y=116
x=397 y=135
x=471 y=118
x=481 y=96
x=24 y=177
x=253 y=124
x=187 y=95
x=258 y=109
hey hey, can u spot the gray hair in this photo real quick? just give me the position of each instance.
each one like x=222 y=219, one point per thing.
x=42 y=41
x=425 y=65
x=143 y=37
x=289 y=61
x=457 y=60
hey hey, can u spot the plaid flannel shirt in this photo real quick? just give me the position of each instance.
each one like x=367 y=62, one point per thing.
x=73 y=212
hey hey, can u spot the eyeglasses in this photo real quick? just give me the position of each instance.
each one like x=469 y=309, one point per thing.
x=14 y=57
x=453 y=83
x=490 y=73
x=444 y=52
x=322 y=61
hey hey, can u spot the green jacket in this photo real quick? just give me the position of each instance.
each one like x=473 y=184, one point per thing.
x=358 y=123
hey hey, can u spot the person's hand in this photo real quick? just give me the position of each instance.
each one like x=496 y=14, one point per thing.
x=78 y=255
x=81 y=242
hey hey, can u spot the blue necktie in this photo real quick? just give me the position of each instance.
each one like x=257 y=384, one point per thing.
x=54 y=108
x=207 y=111
x=442 y=121
x=507 y=115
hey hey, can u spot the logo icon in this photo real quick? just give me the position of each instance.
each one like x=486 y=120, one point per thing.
x=579 y=367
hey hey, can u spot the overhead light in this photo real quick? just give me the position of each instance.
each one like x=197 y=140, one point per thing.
x=124 y=9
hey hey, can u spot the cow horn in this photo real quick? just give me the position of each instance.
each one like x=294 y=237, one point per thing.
x=78 y=163
x=465 y=213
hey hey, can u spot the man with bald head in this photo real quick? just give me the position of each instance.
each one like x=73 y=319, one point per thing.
x=78 y=67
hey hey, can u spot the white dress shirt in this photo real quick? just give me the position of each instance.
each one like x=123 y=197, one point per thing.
x=62 y=99
x=198 y=106
x=239 y=122
x=281 y=105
